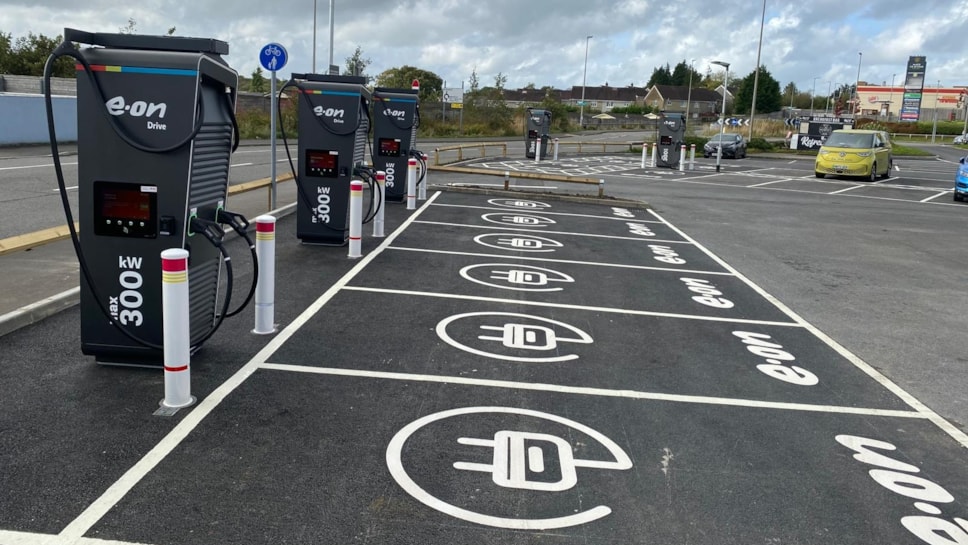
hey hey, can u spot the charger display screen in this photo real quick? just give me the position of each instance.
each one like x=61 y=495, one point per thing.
x=389 y=147
x=125 y=209
x=322 y=163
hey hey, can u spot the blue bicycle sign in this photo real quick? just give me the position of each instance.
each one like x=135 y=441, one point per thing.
x=273 y=57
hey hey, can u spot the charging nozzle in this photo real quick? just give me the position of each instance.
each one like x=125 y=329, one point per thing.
x=207 y=228
x=237 y=221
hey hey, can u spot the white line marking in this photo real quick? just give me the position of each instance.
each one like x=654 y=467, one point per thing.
x=846 y=189
x=100 y=507
x=543 y=232
x=772 y=182
x=568 y=261
x=912 y=401
x=583 y=390
x=243 y=165
x=8 y=537
x=68 y=188
x=545 y=212
x=569 y=307
x=25 y=167
x=515 y=186
x=942 y=194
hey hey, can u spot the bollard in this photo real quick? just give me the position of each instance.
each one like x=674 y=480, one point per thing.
x=356 y=219
x=537 y=150
x=692 y=157
x=381 y=189
x=654 y=154
x=412 y=184
x=265 y=251
x=422 y=189
x=645 y=146
x=556 y=151
x=682 y=158
x=175 y=331
x=507 y=180
x=601 y=188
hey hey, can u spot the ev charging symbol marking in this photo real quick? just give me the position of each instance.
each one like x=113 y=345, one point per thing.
x=514 y=241
x=518 y=462
x=523 y=220
x=519 y=203
x=520 y=277
x=517 y=332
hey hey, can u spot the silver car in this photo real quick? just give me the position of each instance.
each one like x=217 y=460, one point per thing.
x=960 y=139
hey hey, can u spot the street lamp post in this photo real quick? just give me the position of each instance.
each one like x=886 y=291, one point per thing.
x=722 y=127
x=860 y=56
x=689 y=94
x=314 y=36
x=581 y=106
x=813 y=94
x=332 y=13
x=756 y=77
x=892 y=97
x=826 y=109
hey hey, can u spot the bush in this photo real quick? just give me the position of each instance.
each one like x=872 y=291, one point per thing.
x=760 y=144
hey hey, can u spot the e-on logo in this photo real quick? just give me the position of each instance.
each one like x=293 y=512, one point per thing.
x=336 y=114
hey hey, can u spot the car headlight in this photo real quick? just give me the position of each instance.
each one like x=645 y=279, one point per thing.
x=863 y=154
x=823 y=152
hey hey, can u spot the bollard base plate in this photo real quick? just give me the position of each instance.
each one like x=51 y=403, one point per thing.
x=167 y=410
x=275 y=329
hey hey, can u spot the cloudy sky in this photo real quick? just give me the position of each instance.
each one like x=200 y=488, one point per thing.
x=809 y=43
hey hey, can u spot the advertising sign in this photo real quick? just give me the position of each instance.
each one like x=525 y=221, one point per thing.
x=815 y=130
x=913 y=86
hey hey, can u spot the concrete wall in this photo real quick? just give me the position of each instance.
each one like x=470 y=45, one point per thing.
x=23 y=119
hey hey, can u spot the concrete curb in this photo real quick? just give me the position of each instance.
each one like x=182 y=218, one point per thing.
x=36 y=312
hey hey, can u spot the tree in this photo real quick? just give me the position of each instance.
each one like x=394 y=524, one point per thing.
x=680 y=75
x=660 y=76
x=402 y=77
x=27 y=55
x=258 y=82
x=767 y=93
x=356 y=64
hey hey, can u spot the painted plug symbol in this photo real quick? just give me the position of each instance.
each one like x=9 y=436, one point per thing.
x=521 y=220
x=519 y=460
x=530 y=337
x=527 y=243
x=524 y=278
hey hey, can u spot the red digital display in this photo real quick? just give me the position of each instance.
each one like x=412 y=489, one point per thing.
x=389 y=147
x=322 y=163
x=126 y=204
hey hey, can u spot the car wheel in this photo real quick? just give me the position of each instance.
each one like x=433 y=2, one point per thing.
x=890 y=167
x=958 y=198
x=873 y=176
x=819 y=174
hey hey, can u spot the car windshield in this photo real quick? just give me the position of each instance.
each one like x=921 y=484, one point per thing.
x=850 y=140
x=725 y=138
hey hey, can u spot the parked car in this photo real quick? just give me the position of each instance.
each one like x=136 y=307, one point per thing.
x=855 y=152
x=960 y=139
x=734 y=145
x=961 y=180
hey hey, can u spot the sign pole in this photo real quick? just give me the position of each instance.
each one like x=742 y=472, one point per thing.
x=274 y=105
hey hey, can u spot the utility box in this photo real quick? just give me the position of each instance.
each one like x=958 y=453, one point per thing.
x=334 y=121
x=538 y=126
x=672 y=134
x=155 y=122
x=396 y=116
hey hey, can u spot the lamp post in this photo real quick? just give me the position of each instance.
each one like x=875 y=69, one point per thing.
x=581 y=106
x=756 y=77
x=813 y=93
x=860 y=56
x=826 y=109
x=892 y=97
x=689 y=94
x=332 y=13
x=722 y=127
x=314 y=36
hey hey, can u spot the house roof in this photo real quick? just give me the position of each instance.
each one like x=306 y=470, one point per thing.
x=680 y=92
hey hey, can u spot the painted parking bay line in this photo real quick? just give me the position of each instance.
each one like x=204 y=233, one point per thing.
x=564 y=233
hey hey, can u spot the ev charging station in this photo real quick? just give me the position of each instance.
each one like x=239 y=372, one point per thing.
x=156 y=129
x=334 y=124
x=672 y=134
x=396 y=116
x=538 y=126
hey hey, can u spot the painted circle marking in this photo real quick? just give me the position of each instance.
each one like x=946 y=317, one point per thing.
x=519 y=203
x=514 y=331
x=518 y=242
x=518 y=220
x=524 y=275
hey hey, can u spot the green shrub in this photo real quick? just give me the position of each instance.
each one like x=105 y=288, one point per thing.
x=760 y=144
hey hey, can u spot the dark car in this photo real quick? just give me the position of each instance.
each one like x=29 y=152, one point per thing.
x=734 y=145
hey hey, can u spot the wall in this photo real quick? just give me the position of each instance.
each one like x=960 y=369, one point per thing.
x=23 y=119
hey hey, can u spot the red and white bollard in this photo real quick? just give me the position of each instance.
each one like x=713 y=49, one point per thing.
x=645 y=146
x=422 y=189
x=655 y=152
x=265 y=289
x=381 y=189
x=682 y=158
x=555 y=159
x=176 y=334
x=356 y=219
x=537 y=150
x=692 y=157
x=412 y=184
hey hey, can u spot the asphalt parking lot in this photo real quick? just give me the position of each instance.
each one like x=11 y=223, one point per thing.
x=504 y=368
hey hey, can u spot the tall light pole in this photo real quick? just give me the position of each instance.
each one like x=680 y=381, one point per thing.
x=826 y=109
x=860 y=56
x=892 y=97
x=813 y=93
x=332 y=13
x=689 y=94
x=314 y=36
x=722 y=127
x=581 y=105
x=756 y=77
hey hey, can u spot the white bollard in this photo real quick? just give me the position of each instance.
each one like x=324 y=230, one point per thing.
x=537 y=150
x=176 y=335
x=381 y=189
x=356 y=219
x=682 y=158
x=692 y=157
x=265 y=289
x=654 y=154
x=412 y=184
x=422 y=189
x=645 y=146
x=556 y=151
x=507 y=180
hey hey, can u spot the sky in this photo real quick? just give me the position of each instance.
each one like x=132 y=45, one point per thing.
x=815 y=44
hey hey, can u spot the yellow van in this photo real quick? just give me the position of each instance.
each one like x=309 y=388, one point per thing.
x=855 y=152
